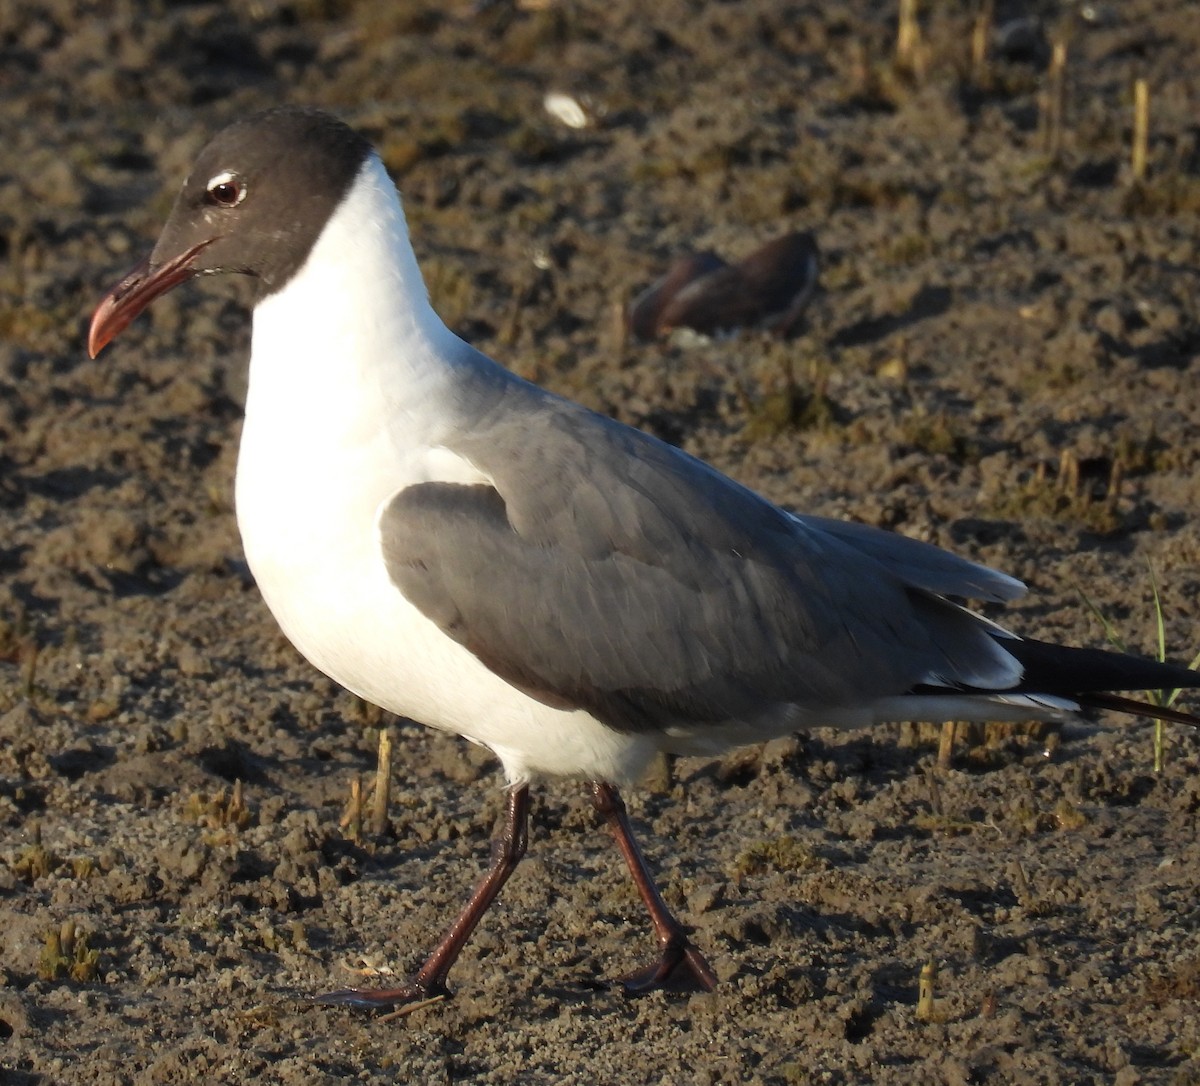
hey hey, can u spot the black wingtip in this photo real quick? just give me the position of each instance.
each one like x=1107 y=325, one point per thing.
x=1077 y=673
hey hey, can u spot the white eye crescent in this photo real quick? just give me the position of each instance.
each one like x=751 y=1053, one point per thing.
x=226 y=189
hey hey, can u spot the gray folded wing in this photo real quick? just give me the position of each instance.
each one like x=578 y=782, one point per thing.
x=607 y=571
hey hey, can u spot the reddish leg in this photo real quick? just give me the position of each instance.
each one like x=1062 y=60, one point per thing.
x=680 y=966
x=508 y=846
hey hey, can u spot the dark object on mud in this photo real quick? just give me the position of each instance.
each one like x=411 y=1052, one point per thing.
x=768 y=289
x=465 y=549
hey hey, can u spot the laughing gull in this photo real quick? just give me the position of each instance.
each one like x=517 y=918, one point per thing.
x=466 y=549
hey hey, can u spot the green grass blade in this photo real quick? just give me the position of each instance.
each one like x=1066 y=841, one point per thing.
x=1110 y=631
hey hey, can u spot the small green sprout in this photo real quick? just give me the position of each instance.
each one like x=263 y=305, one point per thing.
x=1162 y=698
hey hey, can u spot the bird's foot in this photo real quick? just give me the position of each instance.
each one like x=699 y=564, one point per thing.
x=399 y=1001
x=680 y=968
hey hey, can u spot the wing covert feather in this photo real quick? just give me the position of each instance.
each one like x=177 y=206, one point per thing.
x=608 y=571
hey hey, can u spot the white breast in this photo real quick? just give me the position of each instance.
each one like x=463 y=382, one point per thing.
x=350 y=379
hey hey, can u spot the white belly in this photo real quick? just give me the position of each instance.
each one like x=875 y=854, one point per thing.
x=310 y=537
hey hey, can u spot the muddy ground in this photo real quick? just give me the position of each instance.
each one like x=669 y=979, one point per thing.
x=989 y=302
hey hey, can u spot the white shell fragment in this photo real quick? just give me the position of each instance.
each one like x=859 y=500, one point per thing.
x=567 y=109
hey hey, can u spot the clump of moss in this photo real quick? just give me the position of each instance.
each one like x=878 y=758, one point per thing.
x=932 y=823
x=792 y=404
x=982 y=746
x=35 y=862
x=220 y=811
x=793 y=408
x=939 y=435
x=906 y=249
x=1173 y=194
x=1068 y=494
x=66 y=953
x=1029 y=818
x=1181 y=982
x=786 y=853
x=1068 y=816
x=1149 y=454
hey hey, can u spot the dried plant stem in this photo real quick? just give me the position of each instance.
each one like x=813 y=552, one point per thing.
x=945 y=756
x=409 y=1008
x=1068 y=473
x=1054 y=100
x=1141 y=129
x=1021 y=885
x=383 y=784
x=354 y=821
x=925 y=990
x=1116 y=477
x=981 y=31
x=237 y=802
x=29 y=662
x=909 y=49
x=935 y=793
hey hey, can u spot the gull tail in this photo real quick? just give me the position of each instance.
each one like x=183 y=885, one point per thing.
x=1135 y=707
x=1089 y=677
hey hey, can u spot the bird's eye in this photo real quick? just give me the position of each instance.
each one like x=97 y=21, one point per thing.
x=226 y=190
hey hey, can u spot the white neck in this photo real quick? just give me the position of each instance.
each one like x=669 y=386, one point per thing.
x=352 y=340
x=353 y=378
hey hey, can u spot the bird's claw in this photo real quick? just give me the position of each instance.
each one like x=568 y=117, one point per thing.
x=398 y=1001
x=681 y=968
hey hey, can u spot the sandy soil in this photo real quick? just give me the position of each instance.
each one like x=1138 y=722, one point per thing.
x=987 y=306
